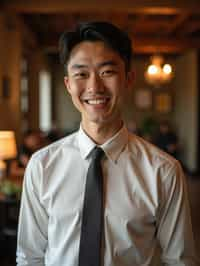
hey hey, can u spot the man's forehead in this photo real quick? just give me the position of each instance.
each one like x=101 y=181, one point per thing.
x=93 y=53
x=89 y=55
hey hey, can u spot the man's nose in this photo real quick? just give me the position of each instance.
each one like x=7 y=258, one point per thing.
x=95 y=83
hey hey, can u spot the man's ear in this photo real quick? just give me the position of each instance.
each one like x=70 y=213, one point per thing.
x=66 y=82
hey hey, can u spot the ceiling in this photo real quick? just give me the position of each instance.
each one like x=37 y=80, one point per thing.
x=169 y=27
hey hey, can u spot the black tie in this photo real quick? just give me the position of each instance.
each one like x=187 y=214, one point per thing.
x=92 y=218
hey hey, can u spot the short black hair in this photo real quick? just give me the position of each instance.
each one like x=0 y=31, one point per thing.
x=111 y=35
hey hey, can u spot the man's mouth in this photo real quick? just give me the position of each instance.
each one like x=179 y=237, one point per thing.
x=96 y=101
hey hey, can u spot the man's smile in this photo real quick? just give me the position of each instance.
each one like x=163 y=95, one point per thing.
x=97 y=101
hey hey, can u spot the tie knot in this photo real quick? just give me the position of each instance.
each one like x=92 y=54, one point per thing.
x=97 y=153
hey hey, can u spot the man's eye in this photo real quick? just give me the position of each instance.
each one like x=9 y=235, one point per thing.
x=80 y=75
x=108 y=72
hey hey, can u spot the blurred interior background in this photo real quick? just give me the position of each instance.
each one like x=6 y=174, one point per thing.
x=163 y=106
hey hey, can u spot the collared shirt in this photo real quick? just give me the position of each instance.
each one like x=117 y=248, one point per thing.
x=145 y=202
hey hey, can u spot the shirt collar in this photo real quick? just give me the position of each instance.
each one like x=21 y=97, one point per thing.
x=112 y=147
x=85 y=143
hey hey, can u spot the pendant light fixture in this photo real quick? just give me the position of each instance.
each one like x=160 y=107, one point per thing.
x=158 y=73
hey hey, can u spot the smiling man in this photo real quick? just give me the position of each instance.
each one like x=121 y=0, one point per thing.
x=97 y=82
x=78 y=210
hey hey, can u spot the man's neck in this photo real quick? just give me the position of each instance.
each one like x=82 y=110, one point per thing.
x=101 y=133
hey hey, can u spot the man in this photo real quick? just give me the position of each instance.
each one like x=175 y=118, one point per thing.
x=145 y=205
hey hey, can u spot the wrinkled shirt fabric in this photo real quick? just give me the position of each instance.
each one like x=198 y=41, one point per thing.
x=145 y=202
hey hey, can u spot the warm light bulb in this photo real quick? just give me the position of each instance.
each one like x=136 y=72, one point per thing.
x=152 y=69
x=157 y=73
x=167 y=69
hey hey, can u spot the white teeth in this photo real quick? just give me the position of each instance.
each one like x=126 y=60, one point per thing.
x=97 y=101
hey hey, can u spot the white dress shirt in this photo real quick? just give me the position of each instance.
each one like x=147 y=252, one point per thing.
x=145 y=200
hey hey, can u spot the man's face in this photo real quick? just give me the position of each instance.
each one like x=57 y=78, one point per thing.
x=97 y=83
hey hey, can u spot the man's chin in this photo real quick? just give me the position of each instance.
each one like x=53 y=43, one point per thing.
x=100 y=120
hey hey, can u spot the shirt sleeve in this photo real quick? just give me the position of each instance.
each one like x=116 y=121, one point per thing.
x=33 y=219
x=174 y=229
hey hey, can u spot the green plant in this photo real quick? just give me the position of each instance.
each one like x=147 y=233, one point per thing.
x=10 y=189
x=148 y=127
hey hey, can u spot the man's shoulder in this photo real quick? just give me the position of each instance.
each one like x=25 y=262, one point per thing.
x=64 y=144
x=147 y=151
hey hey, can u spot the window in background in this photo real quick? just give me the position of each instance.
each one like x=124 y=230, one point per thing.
x=24 y=102
x=45 y=107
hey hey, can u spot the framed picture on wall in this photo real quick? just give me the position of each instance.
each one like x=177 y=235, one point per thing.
x=143 y=99
x=163 y=102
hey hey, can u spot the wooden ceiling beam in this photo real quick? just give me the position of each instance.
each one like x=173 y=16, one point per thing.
x=167 y=17
x=138 y=6
x=178 y=22
x=142 y=45
x=165 y=45
x=191 y=27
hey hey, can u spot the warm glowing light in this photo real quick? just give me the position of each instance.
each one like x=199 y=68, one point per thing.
x=7 y=145
x=158 y=74
x=152 y=69
x=8 y=149
x=167 y=69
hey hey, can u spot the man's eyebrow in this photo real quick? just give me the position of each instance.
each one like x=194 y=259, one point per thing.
x=78 y=66
x=105 y=63
x=109 y=62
